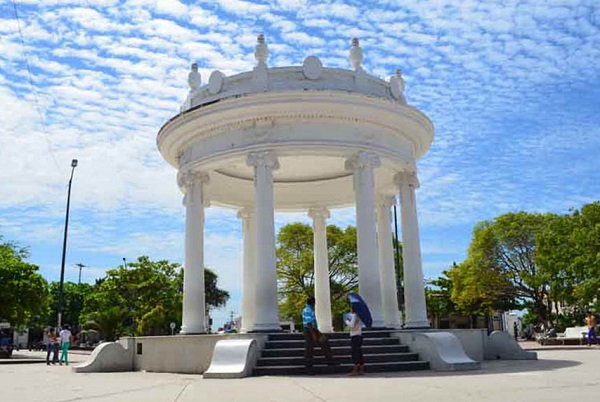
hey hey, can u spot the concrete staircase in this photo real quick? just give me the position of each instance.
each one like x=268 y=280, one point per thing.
x=284 y=355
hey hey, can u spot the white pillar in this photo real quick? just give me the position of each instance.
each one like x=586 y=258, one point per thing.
x=321 y=264
x=414 y=286
x=248 y=269
x=387 y=272
x=194 y=311
x=362 y=165
x=266 y=317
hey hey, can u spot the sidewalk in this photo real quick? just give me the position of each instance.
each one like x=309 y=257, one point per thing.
x=558 y=375
x=33 y=356
x=536 y=346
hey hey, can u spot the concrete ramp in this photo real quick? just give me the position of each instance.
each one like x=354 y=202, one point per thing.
x=443 y=350
x=502 y=345
x=232 y=358
x=108 y=357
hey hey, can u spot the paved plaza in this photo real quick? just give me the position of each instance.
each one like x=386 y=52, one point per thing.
x=558 y=375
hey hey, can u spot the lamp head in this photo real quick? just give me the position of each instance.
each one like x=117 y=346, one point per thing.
x=74 y=163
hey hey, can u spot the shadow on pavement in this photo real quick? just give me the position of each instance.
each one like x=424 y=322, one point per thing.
x=488 y=367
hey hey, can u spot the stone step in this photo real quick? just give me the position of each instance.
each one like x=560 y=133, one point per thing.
x=342 y=359
x=341 y=369
x=291 y=344
x=333 y=335
x=337 y=351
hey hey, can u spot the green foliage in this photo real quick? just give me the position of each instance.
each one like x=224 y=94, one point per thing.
x=569 y=253
x=143 y=298
x=295 y=269
x=439 y=297
x=73 y=298
x=23 y=291
x=544 y=262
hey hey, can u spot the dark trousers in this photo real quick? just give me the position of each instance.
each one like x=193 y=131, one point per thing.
x=52 y=348
x=356 y=342
x=591 y=335
x=312 y=336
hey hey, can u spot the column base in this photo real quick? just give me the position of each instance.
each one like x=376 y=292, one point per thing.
x=192 y=331
x=416 y=325
x=265 y=328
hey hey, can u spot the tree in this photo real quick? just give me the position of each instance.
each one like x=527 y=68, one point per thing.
x=568 y=251
x=23 y=290
x=439 y=298
x=295 y=268
x=143 y=298
x=482 y=283
x=74 y=295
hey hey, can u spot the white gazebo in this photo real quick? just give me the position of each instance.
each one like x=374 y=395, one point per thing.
x=304 y=138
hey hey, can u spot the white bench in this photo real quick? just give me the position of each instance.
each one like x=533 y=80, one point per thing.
x=571 y=334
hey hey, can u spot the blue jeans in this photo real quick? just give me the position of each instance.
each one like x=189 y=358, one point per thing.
x=591 y=334
x=52 y=348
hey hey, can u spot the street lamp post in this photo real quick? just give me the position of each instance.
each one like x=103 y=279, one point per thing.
x=64 y=250
x=80 y=266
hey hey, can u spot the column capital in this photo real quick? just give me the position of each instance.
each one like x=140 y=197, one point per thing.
x=362 y=160
x=263 y=158
x=407 y=177
x=187 y=178
x=245 y=213
x=386 y=201
x=316 y=213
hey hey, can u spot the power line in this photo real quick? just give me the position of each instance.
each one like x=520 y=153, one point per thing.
x=33 y=90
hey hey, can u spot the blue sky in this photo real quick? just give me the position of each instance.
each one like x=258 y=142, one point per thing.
x=512 y=87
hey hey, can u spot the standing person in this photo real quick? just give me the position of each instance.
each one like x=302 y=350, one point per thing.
x=65 y=340
x=590 y=322
x=313 y=336
x=356 y=341
x=516 y=331
x=51 y=346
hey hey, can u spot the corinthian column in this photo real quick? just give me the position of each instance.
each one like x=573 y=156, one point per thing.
x=387 y=274
x=362 y=165
x=266 y=315
x=414 y=286
x=193 y=317
x=321 y=263
x=248 y=269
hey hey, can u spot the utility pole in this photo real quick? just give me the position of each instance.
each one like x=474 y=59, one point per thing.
x=64 y=250
x=80 y=266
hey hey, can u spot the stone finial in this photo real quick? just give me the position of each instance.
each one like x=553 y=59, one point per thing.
x=194 y=78
x=397 y=86
x=356 y=55
x=261 y=51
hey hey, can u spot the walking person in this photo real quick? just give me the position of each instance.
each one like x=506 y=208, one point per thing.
x=356 y=342
x=313 y=336
x=52 y=347
x=65 y=341
x=590 y=322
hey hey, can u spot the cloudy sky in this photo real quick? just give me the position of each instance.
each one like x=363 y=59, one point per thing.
x=513 y=89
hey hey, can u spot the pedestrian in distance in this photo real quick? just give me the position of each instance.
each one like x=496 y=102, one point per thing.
x=52 y=347
x=65 y=341
x=590 y=322
x=516 y=331
x=312 y=337
x=356 y=341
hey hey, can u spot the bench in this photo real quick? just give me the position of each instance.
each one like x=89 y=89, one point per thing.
x=572 y=336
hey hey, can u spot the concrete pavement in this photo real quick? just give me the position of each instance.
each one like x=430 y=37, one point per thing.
x=557 y=376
